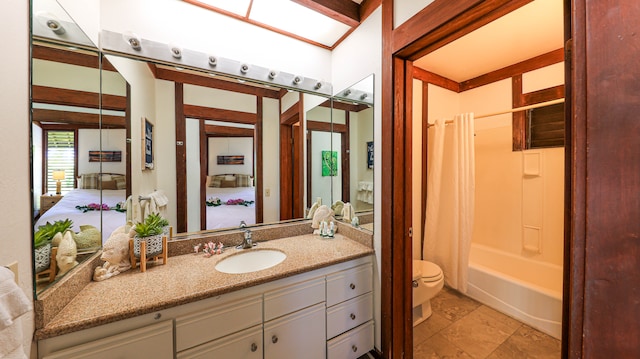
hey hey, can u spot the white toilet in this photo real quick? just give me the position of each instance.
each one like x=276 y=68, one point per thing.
x=428 y=280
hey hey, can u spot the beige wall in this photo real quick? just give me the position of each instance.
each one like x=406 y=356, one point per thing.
x=14 y=145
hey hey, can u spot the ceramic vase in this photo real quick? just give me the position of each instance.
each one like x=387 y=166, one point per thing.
x=42 y=257
x=153 y=245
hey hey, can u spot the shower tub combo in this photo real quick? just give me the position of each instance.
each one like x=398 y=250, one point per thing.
x=525 y=289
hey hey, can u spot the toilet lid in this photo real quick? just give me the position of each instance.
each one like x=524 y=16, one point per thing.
x=426 y=270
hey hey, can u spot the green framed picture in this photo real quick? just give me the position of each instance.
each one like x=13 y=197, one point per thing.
x=329 y=163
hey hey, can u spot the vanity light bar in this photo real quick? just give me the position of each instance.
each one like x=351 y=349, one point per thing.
x=121 y=44
x=66 y=32
x=355 y=96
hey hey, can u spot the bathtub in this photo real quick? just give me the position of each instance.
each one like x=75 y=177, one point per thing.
x=527 y=290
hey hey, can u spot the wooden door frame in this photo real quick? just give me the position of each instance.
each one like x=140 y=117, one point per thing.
x=222 y=131
x=343 y=130
x=439 y=23
x=292 y=161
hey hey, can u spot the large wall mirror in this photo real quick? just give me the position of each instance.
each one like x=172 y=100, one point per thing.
x=340 y=150
x=212 y=150
x=223 y=151
x=78 y=127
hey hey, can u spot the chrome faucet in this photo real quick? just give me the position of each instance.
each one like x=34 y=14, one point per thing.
x=247 y=242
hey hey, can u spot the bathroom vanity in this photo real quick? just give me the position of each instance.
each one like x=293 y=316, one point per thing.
x=317 y=303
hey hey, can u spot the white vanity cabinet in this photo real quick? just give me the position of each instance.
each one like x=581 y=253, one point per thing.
x=350 y=331
x=152 y=341
x=324 y=313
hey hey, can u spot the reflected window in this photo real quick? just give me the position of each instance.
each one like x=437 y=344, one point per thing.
x=60 y=160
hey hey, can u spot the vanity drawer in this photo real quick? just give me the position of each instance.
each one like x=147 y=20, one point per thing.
x=224 y=319
x=152 y=341
x=246 y=344
x=349 y=314
x=349 y=284
x=352 y=344
x=291 y=298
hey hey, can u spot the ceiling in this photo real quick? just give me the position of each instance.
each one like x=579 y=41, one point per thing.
x=532 y=30
x=324 y=23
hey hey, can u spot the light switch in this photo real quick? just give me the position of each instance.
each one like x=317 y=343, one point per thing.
x=267 y=192
x=14 y=268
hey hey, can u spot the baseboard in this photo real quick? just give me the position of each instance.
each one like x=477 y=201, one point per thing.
x=375 y=354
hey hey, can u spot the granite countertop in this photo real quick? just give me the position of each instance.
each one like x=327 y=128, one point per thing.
x=191 y=277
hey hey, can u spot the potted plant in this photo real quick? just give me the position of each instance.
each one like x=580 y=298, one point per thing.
x=42 y=242
x=151 y=232
x=157 y=220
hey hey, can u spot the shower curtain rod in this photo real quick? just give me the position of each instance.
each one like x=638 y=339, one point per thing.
x=523 y=108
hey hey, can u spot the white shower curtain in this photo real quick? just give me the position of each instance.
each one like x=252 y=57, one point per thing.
x=450 y=200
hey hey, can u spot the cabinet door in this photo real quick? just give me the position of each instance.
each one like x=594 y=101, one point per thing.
x=297 y=335
x=153 y=341
x=244 y=345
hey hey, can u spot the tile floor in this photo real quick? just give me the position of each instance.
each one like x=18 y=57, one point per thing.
x=461 y=327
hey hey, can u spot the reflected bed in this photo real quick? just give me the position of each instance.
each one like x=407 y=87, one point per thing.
x=225 y=216
x=66 y=208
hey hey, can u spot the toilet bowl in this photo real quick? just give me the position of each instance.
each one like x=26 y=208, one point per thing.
x=428 y=280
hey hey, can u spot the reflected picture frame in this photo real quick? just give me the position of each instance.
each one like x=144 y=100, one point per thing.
x=329 y=163
x=147 y=144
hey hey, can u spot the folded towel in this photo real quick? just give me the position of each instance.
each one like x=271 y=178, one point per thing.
x=13 y=304
x=134 y=212
x=13 y=301
x=11 y=342
x=160 y=198
x=365 y=186
x=145 y=209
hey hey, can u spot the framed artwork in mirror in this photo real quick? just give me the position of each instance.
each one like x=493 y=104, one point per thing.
x=147 y=144
x=231 y=160
x=329 y=163
x=370 y=155
x=105 y=156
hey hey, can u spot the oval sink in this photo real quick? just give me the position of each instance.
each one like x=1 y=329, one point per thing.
x=250 y=261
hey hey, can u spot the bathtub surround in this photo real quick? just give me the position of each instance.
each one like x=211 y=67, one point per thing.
x=450 y=203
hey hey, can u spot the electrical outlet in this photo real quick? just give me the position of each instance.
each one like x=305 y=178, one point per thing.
x=14 y=268
x=267 y=192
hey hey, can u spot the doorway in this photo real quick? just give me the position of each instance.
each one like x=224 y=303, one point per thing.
x=428 y=34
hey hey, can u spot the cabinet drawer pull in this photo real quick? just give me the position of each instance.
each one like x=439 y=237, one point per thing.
x=274 y=339
x=354 y=348
x=352 y=286
x=157 y=316
x=254 y=347
x=352 y=316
